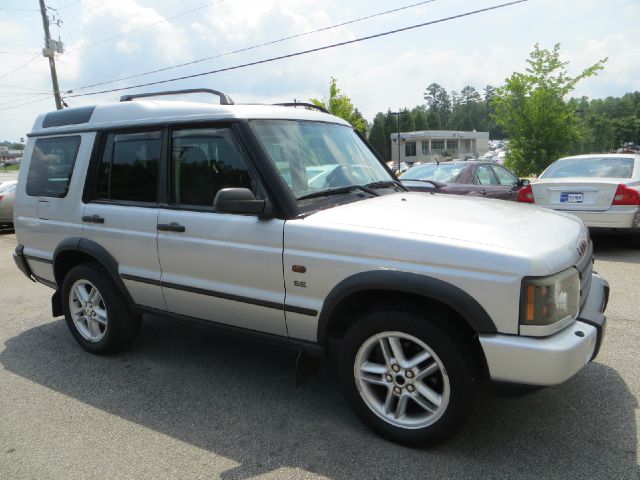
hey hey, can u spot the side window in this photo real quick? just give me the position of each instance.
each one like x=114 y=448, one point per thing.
x=128 y=169
x=505 y=177
x=485 y=176
x=204 y=161
x=51 y=166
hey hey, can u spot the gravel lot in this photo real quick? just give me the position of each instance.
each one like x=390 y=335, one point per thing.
x=187 y=403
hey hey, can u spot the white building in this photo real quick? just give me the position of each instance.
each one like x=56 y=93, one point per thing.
x=429 y=145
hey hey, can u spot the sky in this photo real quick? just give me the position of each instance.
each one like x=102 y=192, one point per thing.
x=109 y=40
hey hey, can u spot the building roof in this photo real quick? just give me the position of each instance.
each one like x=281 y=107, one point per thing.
x=440 y=134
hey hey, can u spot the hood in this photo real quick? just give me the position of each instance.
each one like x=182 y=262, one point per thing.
x=525 y=230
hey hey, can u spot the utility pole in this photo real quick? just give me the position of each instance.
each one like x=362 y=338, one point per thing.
x=398 y=113
x=49 y=52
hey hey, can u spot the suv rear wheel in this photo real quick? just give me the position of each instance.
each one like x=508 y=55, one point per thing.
x=406 y=379
x=95 y=310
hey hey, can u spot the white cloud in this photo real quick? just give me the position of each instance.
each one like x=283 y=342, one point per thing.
x=388 y=72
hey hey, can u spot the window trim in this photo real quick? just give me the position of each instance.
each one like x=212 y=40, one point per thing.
x=72 y=166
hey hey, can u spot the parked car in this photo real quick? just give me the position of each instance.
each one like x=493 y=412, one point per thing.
x=603 y=190
x=474 y=178
x=7 y=197
x=220 y=215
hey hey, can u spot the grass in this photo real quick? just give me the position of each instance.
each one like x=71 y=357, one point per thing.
x=10 y=168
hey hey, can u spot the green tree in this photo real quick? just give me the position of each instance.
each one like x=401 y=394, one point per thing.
x=341 y=106
x=531 y=107
x=379 y=138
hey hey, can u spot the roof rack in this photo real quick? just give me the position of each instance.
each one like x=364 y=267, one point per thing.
x=302 y=104
x=224 y=98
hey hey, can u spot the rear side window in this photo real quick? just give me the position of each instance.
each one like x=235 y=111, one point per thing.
x=51 y=166
x=128 y=169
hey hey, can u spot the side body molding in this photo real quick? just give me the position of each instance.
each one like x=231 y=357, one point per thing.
x=92 y=249
x=404 y=282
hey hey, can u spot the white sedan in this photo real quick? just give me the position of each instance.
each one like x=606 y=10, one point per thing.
x=601 y=189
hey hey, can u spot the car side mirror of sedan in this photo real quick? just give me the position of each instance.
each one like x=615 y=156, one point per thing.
x=522 y=182
x=240 y=201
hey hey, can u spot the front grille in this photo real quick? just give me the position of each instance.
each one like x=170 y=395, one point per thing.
x=585 y=267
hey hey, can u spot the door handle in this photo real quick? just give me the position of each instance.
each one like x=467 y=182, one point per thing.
x=171 y=227
x=483 y=192
x=93 y=219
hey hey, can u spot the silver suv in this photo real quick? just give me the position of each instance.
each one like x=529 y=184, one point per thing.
x=282 y=223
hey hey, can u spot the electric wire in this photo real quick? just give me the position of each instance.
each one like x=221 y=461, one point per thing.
x=304 y=52
x=137 y=29
x=21 y=66
x=253 y=47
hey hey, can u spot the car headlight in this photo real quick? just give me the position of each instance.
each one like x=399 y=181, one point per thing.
x=549 y=303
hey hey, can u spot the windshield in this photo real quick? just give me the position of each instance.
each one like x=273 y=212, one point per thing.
x=599 y=167
x=446 y=173
x=313 y=157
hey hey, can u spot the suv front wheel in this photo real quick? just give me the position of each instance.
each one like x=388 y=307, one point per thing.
x=95 y=310
x=405 y=378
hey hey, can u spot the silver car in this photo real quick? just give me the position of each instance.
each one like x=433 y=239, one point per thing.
x=7 y=197
x=603 y=190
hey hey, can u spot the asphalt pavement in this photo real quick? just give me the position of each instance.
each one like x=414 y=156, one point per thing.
x=187 y=403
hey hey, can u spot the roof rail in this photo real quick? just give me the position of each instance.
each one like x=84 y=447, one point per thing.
x=224 y=98
x=306 y=105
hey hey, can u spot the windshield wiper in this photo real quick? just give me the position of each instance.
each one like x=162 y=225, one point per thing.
x=386 y=184
x=339 y=190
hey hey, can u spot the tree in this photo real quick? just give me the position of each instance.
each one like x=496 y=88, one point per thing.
x=531 y=107
x=341 y=106
x=379 y=138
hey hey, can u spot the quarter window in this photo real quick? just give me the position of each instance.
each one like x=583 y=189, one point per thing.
x=128 y=169
x=204 y=161
x=51 y=166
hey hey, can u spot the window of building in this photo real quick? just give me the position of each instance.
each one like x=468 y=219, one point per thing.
x=467 y=144
x=410 y=149
x=51 y=166
x=437 y=146
x=425 y=147
x=128 y=170
x=204 y=161
x=452 y=146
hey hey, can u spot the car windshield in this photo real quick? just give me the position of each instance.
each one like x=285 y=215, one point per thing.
x=446 y=173
x=598 y=167
x=316 y=157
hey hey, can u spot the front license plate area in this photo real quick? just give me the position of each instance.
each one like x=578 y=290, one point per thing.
x=571 y=197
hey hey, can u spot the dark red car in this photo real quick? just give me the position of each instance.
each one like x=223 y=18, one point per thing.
x=475 y=178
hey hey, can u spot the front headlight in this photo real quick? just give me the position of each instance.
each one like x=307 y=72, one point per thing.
x=549 y=303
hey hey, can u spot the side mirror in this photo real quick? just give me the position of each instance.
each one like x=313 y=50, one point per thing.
x=238 y=200
x=522 y=182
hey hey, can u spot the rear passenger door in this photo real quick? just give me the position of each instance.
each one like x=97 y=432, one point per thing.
x=121 y=213
x=486 y=183
x=225 y=268
x=508 y=181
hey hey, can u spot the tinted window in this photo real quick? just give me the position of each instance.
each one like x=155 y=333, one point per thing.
x=485 y=176
x=505 y=177
x=204 y=161
x=128 y=169
x=51 y=166
x=602 y=167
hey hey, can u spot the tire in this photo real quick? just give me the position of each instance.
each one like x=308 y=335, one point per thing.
x=101 y=327
x=380 y=383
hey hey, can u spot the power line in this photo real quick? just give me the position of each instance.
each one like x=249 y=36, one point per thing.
x=245 y=49
x=164 y=20
x=304 y=52
x=21 y=66
x=27 y=103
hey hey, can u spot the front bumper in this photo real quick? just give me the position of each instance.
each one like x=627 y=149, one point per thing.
x=553 y=359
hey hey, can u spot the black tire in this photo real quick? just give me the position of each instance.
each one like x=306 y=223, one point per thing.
x=452 y=349
x=122 y=325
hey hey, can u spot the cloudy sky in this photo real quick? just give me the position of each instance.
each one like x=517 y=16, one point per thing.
x=107 y=40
